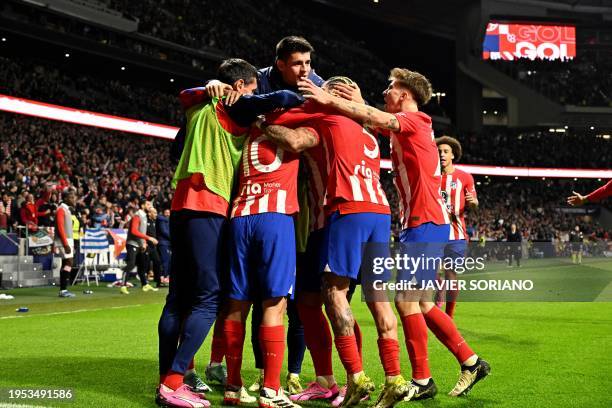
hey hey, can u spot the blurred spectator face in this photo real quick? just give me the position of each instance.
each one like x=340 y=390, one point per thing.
x=153 y=213
x=446 y=155
x=166 y=213
x=294 y=68
x=513 y=228
x=70 y=199
x=577 y=228
x=30 y=198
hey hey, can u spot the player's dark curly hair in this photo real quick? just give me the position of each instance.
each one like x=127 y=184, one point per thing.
x=418 y=85
x=291 y=44
x=233 y=69
x=453 y=143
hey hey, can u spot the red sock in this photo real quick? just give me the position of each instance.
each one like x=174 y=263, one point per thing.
x=191 y=365
x=318 y=338
x=359 y=339
x=349 y=353
x=234 y=342
x=389 y=351
x=217 y=348
x=272 y=343
x=445 y=330
x=451 y=302
x=415 y=332
x=173 y=380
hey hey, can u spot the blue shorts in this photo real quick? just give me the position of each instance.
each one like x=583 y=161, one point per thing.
x=199 y=265
x=427 y=242
x=308 y=277
x=262 y=256
x=455 y=251
x=344 y=236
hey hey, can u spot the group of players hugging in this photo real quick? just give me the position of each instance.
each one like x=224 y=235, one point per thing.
x=279 y=172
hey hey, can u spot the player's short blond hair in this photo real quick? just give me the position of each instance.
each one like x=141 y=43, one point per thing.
x=418 y=85
x=454 y=144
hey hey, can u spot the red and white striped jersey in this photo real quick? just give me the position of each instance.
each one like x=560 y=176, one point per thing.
x=416 y=163
x=268 y=178
x=351 y=156
x=454 y=187
x=355 y=170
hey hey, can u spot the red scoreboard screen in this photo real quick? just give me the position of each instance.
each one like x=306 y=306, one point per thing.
x=510 y=41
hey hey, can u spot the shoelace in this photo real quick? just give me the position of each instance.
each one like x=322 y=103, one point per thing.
x=464 y=380
x=412 y=390
x=199 y=383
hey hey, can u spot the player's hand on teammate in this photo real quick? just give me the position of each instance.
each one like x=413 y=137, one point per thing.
x=153 y=241
x=576 y=200
x=349 y=92
x=310 y=91
x=231 y=97
x=217 y=89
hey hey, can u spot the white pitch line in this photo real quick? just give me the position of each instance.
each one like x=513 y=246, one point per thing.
x=68 y=312
x=605 y=295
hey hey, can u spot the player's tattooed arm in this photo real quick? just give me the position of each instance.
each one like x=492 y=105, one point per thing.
x=293 y=140
x=367 y=115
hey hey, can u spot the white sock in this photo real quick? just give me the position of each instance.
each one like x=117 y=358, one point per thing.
x=421 y=381
x=470 y=361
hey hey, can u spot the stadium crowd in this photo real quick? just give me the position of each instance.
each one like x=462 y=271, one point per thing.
x=47 y=83
x=574 y=148
x=206 y=28
x=40 y=158
x=583 y=81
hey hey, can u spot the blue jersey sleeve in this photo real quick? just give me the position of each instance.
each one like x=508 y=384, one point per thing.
x=246 y=110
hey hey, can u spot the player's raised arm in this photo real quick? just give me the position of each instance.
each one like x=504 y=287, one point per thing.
x=368 y=115
x=293 y=140
x=246 y=110
x=602 y=192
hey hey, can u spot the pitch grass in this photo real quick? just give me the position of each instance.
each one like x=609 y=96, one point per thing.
x=104 y=347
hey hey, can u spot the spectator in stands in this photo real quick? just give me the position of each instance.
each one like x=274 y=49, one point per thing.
x=29 y=214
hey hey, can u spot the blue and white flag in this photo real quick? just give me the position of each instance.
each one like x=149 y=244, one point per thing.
x=95 y=241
